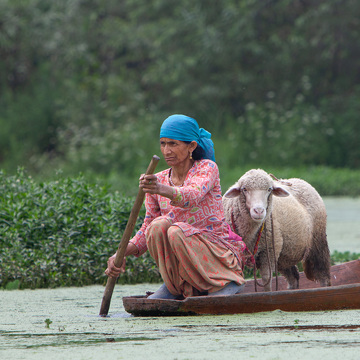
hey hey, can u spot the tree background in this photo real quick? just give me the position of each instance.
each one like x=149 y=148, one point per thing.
x=86 y=84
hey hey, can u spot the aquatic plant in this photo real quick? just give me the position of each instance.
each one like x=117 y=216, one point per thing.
x=48 y=322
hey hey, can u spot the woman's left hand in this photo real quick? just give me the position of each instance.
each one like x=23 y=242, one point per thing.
x=149 y=183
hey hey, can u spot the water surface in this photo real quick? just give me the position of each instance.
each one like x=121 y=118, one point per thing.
x=343 y=226
x=76 y=332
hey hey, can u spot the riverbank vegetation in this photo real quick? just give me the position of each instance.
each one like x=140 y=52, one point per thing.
x=61 y=233
x=86 y=84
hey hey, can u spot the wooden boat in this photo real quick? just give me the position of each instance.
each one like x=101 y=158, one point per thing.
x=344 y=293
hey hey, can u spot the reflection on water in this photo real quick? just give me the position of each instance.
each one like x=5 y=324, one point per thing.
x=64 y=323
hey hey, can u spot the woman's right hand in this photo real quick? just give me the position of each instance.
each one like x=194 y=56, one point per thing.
x=114 y=271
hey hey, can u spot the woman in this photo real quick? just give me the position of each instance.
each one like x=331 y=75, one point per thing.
x=184 y=227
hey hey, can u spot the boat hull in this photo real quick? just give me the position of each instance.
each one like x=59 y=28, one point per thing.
x=343 y=294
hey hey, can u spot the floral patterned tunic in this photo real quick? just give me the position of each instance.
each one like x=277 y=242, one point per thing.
x=196 y=208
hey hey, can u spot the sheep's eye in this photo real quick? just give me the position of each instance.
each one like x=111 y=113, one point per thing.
x=270 y=189
x=243 y=189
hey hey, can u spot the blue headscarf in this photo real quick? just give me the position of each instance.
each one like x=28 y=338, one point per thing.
x=185 y=128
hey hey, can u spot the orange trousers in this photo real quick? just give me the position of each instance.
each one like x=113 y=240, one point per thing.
x=191 y=265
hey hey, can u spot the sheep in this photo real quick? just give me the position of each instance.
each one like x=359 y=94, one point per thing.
x=298 y=221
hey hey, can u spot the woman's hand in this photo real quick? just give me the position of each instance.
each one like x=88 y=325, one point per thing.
x=149 y=184
x=114 y=271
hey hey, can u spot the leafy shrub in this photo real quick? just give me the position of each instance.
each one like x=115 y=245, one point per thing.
x=338 y=257
x=335 y=258
x=61 y=233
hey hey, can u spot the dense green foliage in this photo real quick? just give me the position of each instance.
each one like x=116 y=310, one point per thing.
x=85 y=84
x=61 y=233
x=327 y=181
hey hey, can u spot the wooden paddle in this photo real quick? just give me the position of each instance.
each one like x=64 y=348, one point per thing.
x=125 y=240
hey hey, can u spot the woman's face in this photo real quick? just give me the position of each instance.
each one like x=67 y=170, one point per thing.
x=176 y=152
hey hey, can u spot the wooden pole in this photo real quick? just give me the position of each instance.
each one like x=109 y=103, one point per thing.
x=105 y=304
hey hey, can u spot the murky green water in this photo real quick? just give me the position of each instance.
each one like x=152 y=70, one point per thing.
x=76 y=332
x=343 y=227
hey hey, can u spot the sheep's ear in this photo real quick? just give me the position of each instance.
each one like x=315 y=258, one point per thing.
x=234 y=191
x=280 y=191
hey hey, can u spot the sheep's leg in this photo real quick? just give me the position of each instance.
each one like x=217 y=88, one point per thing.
x=291 y=274
x=317 y=262
x=266 y=276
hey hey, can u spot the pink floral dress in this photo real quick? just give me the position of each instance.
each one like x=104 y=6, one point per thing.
x=196 y=207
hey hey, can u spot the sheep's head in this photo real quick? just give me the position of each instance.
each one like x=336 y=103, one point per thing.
x=256 y=189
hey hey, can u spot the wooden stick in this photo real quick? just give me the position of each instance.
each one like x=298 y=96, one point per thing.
x=105 y=304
